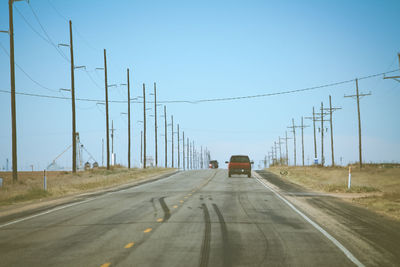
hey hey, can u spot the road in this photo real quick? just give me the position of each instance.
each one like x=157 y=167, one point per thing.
x=192 y=218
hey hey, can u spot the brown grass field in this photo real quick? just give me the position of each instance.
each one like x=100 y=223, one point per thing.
x=29 y=187
x=376 y=186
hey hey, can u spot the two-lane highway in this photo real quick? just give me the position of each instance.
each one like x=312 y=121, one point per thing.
x=193 y=218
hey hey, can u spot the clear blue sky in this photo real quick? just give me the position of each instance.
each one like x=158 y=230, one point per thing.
x=198 y=50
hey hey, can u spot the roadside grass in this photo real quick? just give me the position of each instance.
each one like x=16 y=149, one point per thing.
x=29 y=187
x=376 y=186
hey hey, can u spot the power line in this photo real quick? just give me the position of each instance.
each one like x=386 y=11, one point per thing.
x=26 y=74
x=47 y=35
x=211 y=99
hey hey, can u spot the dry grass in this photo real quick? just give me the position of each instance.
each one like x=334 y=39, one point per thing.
x=376 y=186
x=60 y=183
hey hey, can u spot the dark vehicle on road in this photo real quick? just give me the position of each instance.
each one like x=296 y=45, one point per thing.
x=213 y=164
x=239 y=164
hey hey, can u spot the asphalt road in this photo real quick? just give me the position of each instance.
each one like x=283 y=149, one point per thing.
x=192 y=218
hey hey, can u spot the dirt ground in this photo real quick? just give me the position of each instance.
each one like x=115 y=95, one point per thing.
x=29 y=186
x=376 y=186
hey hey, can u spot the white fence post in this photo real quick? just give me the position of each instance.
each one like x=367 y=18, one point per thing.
x=349 y=182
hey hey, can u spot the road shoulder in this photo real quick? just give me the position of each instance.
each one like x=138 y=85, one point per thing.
x=19 y=210
x=371 y=237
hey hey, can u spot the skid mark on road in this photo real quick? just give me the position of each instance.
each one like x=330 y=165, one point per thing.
x=205 y=249
x=167 y=212
x=225 y=238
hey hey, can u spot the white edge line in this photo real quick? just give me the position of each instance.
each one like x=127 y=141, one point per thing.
x=80 y=202
x=316 y=226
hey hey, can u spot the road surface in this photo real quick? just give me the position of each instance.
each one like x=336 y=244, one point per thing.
x=193 y=218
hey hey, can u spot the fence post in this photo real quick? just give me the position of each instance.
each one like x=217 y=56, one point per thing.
x=349 y=181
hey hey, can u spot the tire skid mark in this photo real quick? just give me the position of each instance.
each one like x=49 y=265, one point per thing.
x=205 y=249
x=225 y=239
x=167 y=213
x=258 y=227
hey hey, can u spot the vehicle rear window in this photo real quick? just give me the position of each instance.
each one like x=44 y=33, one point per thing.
x=242 y=159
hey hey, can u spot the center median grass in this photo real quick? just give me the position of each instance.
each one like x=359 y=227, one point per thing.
x=29 y=187
x=376 y=186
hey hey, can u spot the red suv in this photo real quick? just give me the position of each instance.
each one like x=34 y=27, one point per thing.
x=239 y=164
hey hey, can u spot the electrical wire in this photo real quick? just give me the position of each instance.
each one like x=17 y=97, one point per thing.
x=213 y=99
x=26 y=74
x=88 y=44
x=47 y=35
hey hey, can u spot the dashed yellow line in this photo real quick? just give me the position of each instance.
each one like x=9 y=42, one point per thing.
x=148 y=230
x=185 y=197
x=106 y=264
x=190 y=194
x=160 y=220
x=175 y=206
x=129 y=245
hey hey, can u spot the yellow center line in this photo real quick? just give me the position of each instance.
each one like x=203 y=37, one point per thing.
x=175 y=206
x=160 y=220
x=147 y=230
x=185 y=197
x=129 y=245
x=181 y=201
x=106 y=264
x=190 y=194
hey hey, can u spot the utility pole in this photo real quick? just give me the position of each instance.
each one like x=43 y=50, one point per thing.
x=71 y=48
x=293 y=127
x=179 y=161
x=107 y=124
x=102 y=151
x=129 y=120
x=280 y=150
x=183 y=150
x=331 y=110
x=201 y=157
x=322 y=119
x=357 y=95
x=144 y=126
x=112 y=138
x=155 y=122
x=396 y=78
x=141 y=148
x=12 y=81
x=172 y=140
x=188 y=153
x=286 y=146
x=315 y=136
x=165 y=136
x=302 y=139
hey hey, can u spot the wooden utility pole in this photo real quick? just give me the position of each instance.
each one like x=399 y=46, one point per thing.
x=141 y=148
x=322 y=134
x=331 y=110
x=286 y=146
x=183 y=150
x=129 y=120
x=396 y=78
x=155 y=123
x=315 y=135
x=357 y=96
x=293 y=127
x=165 y=136
x=12 y=81
x=71 y=49
x=188 y=154
x=107 y=124
x=112 y=139
x=302 y=139
x=144 y=126
x=172 y=140
x=179 y=159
